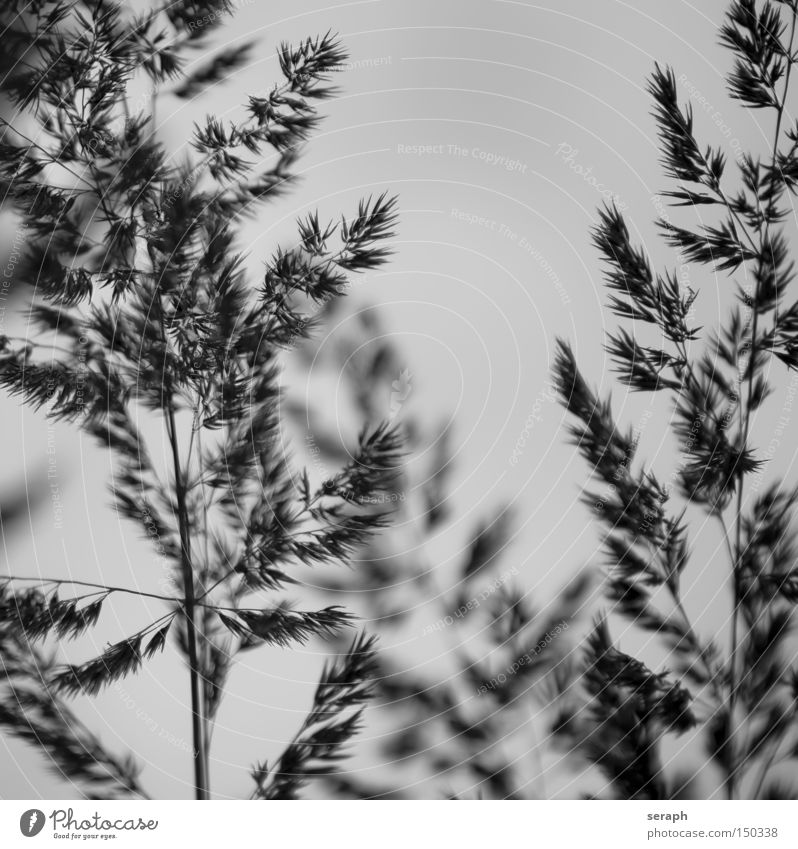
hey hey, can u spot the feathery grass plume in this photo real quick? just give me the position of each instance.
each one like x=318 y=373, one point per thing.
x=719 y=380
x=344 y=688
x=32 y=712
x=631 y=708
x=455 y=729
x=144 y=311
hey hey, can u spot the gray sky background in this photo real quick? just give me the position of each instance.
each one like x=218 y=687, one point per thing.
x=493 y=263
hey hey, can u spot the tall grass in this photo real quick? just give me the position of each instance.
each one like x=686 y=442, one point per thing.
x=742 y=695
x=144 y=319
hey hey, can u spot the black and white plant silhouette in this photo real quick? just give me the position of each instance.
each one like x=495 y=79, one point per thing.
x=461 y=729
x=743 y=695
x=146 y=317
x=146 y=328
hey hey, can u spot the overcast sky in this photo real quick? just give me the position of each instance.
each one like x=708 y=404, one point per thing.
x=502 y=125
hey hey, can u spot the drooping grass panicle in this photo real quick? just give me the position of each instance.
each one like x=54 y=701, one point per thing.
x=345 y=686
x=144 y=310
x=719 y=380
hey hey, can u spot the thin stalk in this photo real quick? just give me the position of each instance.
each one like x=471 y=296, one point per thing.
x=103 y=588
x=745 y=414
x=693 y=638
x=189 y=606
x=50 y=157
x=206 y=647
x=100 y=587
x=189 y=600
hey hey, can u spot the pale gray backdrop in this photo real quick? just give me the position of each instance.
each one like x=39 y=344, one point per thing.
x=535 y=113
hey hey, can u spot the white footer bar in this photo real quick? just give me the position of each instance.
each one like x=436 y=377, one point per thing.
x=399 y=825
